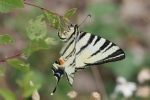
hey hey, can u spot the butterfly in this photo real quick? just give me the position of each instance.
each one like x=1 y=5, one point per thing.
x=82 y=50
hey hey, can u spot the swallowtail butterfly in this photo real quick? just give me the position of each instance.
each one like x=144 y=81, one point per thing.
x=81 y=50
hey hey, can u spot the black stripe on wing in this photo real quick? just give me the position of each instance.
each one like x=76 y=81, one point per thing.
x=71 y=53
x=70 y=78
x=115 y=56
x=112 y=44
x=82 y=35
x=78 y=69
x=104 y=45
x=101 y=48
x=72 y=64
x=68 y=46
x=71 y=35
x=61 y=37
x=91 y=38
x=98 y=39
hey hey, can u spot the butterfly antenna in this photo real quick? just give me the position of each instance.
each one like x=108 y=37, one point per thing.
x=85 y=19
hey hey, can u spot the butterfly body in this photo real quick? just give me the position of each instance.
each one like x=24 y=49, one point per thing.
x=81 y=50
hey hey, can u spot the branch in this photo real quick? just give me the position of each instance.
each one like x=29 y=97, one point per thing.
x=99 y=82
x=13 y=56
x=27 y=3
x=21 y=95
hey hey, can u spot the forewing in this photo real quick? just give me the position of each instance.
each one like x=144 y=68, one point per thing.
x=93 y=50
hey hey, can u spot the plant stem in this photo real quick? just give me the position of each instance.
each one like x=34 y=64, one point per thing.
x=27 y=3
x=99 y=82
x=21 y=95
x=13 y=56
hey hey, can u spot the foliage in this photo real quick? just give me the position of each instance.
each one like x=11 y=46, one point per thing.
x=36 y=32
x=33 y=46
x=70 y=13
x=53 y=19
x=59 y=21
x=6 y=39
x=8 y=5
x=1 y=72
x=19 y=65
x=41 y=49
x=7 y=94
x=37 y=29
x=24 y=83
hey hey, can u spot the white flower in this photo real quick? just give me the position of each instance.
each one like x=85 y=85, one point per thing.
x=35 y=95
x=95 y=96
x=143 y=91
x=124 y=87
x=72 y=94
x=143 y=75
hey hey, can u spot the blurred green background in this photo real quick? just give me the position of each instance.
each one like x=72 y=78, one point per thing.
x=124 y=22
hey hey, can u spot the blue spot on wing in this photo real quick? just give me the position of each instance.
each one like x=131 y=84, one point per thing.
x=57 y=74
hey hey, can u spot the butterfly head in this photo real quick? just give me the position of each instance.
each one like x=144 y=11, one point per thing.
x=72 y=26
x=66 y=35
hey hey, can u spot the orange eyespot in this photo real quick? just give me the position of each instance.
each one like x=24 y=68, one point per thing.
x=61 y=61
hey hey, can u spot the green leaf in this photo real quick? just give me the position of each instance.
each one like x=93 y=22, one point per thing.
x=34 y=45
x=7 y=5
x=28 y=91
x=53 y=19
x=62 y=24
x=36 y=29
x=70 y=13
x=51 y=41
x=147 y=58
x=25 y=81
x=19 y=65
x=6 y=39
x=1 y=72
x=7 y=94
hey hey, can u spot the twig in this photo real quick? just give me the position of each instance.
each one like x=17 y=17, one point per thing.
x=99 y=82
x=13 y=56
x=27 y=3
x=21 y=95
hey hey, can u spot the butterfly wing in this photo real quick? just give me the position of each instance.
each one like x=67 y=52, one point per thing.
x=70 y=69
x=83 y=49
x=68 y=54
x=94 y=50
